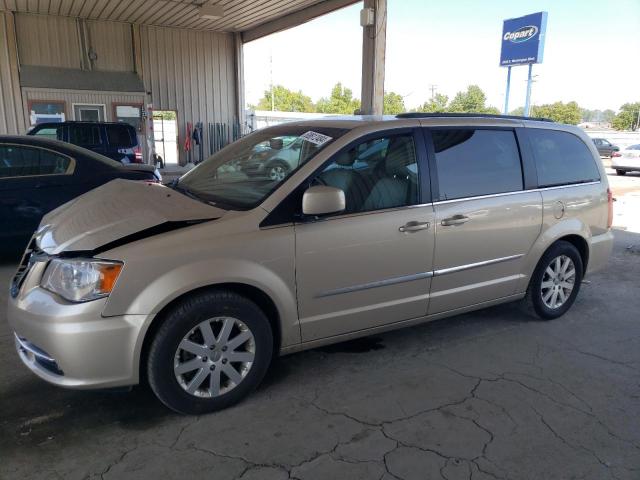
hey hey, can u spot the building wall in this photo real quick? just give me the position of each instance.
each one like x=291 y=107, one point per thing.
x=81 y=96
x=192 y=72
x=11 y=114
x=48 y=41
x=113 y=43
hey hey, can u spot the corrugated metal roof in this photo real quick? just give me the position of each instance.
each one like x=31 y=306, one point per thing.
x=239 y=15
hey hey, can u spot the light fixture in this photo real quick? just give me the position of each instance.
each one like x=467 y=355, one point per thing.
x=211 y=12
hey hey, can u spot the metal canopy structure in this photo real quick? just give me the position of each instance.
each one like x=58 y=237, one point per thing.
x=186 y=53
x=239 y=15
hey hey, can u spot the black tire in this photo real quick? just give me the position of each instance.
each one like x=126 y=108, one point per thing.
x=184 y=318
x=277 y=164
x=621 y=172
x=534 y=298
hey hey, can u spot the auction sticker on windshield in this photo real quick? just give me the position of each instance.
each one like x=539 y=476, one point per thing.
x=315 y=137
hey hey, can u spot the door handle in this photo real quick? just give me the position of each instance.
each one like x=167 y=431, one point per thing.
x=455 y=220
x=414 y=227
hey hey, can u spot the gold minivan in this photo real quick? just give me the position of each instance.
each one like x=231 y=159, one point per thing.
x=380 y=223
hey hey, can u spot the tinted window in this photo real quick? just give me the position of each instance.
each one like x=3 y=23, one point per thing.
x=119 y=136
x=377 y=174
x=84 y=135
x=18 y=161
x=476 y=162
x=561 y=158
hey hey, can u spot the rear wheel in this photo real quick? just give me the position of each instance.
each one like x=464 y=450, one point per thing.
x=211 y=351
x=556 y=281
x=621 y=172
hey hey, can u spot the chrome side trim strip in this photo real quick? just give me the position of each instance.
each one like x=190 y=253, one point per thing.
x=415 y=276
x=493 y=195
x=469 y=266
x=379 y=283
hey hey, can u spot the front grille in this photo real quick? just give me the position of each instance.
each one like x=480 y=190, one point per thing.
x=23 y=268
x=31 y=255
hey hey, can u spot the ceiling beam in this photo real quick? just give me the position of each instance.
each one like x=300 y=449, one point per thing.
x=294 y=19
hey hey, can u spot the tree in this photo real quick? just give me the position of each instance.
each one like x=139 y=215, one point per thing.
x=559 y=112
x=285 y=100
x=437 y=104
x=598 y=116
x=393 y=103
x=628 y=118
x=608 y=115
x=340 y=101
x=471 y=101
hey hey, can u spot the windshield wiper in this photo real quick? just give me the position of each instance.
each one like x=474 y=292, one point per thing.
x=175 y=185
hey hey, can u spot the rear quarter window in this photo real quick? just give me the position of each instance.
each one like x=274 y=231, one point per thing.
x=561 y=158
x=119 y=136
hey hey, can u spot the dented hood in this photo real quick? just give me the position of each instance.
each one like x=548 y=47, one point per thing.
x=114 y=211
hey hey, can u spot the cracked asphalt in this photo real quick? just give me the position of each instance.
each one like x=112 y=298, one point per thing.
x=493 y=394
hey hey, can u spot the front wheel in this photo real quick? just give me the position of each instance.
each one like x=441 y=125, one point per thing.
x=556 y=281
x=211 y=351
x=621 y=172
x=277 y=170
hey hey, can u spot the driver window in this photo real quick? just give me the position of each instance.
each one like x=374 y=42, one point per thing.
x=376 y=174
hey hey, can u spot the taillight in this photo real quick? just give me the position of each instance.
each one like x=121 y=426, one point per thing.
x=616 y=154
x=610 y=205
x=137 y=152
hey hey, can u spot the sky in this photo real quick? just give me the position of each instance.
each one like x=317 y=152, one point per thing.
x=592 y=52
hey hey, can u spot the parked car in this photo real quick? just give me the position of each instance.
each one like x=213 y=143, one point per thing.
x=605 y=147
x=38 y=175
x=627 y=160
x=117 y=141
x=274 y=158
x=196 y=287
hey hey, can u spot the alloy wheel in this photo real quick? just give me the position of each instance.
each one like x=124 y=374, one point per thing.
x=277 y=172
x=214 y=357
x=558 y=281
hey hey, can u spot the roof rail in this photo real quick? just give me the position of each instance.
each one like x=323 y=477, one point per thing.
x=468 y=115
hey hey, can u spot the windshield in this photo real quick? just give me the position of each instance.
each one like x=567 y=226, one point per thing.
x=243 y=174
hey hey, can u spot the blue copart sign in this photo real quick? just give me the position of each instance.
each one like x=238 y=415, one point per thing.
x=523 y=39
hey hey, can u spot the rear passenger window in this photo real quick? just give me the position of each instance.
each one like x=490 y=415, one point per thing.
x=376 y=174
x=476 y=162
x=18 y=161
x=118 y=136
x=561 y=158
x=82 y=135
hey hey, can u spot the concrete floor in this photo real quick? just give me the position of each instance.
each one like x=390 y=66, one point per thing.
x=491 y=394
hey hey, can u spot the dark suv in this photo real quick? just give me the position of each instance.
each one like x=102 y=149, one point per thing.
x=605 y=147
x=118 y=141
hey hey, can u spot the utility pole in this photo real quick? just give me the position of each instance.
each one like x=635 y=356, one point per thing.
x=433 y=88
x=273 y=101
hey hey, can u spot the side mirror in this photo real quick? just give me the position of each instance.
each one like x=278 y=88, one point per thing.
x=322 y=200
x=276 y=144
